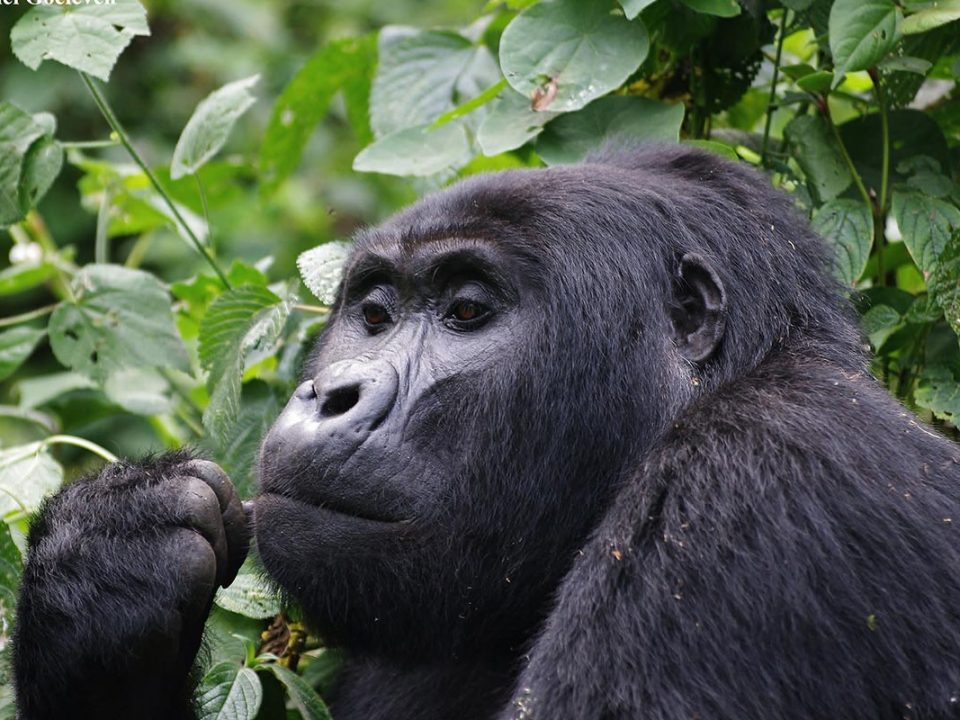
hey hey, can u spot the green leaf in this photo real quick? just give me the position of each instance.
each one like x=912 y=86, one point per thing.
x=939 y=392
x=303 y=697
x=632 y=8
x=229 y=692
x=249 y=595
x=19 y=278
x=929 y=14
x=11 y=569
x=139 y=390
x=121 y=319
x=818 y=154
x=511 y=122
x=210 y=125
x=720 y=8
x=581 y=47
x=237 y=323
x=41 y=167
x=569 y=138
x=847 y=225
x=417 y=151
x=29 y=161
x=862 y=32
x=43 y=389
x=879 y=323
x=944 y=282
x=87 y=37
x=926 y=224
x=16 y=345
x=904 y=63
x=28 y=474
x=423 y=74
x=816 y=82
x=321 y=268
x=347 y=64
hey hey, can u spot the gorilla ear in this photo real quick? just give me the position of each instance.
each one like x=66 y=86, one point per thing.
x=698 y=309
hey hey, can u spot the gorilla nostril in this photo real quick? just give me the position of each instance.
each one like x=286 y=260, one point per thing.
x=340 y=400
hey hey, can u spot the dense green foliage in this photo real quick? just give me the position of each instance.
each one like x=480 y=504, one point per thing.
x=163 y=174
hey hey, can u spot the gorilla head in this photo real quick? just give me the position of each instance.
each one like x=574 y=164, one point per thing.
x=499 y=357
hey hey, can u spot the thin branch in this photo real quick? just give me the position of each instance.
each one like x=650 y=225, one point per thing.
x=115 y=125
x=771 y=107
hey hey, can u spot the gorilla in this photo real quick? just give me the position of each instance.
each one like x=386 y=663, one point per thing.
x=589 y=442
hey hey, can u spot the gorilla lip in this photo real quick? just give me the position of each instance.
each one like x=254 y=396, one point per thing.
x=336 y=508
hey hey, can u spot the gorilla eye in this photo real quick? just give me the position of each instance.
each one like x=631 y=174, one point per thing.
x=467 y=313
x=375 y=315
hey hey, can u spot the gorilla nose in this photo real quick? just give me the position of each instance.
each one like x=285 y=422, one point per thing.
x=358 y=394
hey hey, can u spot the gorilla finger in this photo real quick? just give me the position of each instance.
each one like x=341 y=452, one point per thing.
x=238 y=538
x=214 y=476
x=199 y=567
x=234 y=519
x=199 y=509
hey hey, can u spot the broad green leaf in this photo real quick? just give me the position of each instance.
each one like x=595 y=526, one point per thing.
x=720 y=8
x=717 y=148
x=22 y=277
x=16 y=345
x=581 y=48
x=139 y=390
x=85 y=37
x=906 y=64
x=23 y=180
x=417 y=151
x=570 y=137
x=944 y=281
x=511 y=122
x=249 y=595
x=229 y=692
x=879 y=323
x=346 y=63
x=862 y=32
x=926 y=224
x=11 y=568
x=321 y=268
x=210 y=125
x=303 y=697
x=423 y=74
x=819 y=156
x=28 y=474
x=121 y=319
x=929 y=14
x=41 y=167
x=37 y=391
x=847 y=225
x=816 y=82
x=632 y=8
x=939 y=392
x=237 y=323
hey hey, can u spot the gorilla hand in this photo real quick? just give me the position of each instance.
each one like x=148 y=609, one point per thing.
x=120 y=576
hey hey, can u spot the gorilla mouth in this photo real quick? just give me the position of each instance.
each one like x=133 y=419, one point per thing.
x=341 y=507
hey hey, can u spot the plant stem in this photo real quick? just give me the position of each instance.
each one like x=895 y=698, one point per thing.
x=206 y=209
x=81 y=443
x=115 y=125
x=773 y=89
x=846 y=156
x=880 y=221
x=101 y=243
x=28 y=316
x=315 y=309
x=88 y=144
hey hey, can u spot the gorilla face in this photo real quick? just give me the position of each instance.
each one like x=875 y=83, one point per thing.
x=450 y=447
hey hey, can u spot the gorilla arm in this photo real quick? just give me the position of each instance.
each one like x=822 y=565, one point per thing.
x=119 y=579
x=766 y=562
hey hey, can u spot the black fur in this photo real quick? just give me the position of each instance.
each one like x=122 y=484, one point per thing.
x=561 y=514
